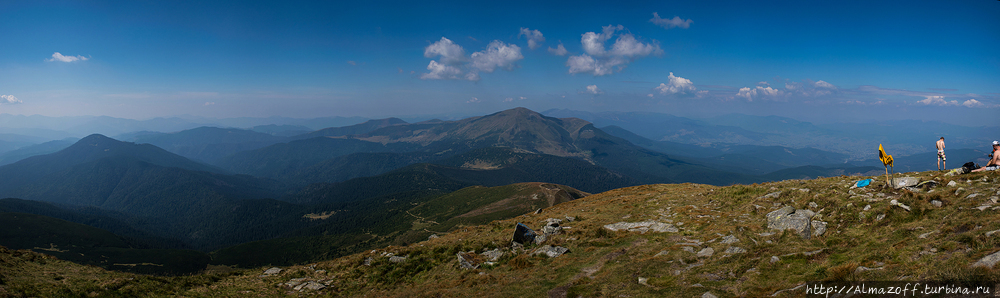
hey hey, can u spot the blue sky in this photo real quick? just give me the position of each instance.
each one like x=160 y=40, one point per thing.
x=818 y=61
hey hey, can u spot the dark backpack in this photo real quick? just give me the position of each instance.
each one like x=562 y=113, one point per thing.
x=969 y=166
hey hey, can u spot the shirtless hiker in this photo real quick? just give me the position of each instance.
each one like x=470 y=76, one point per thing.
x=941 y=158
x=994 y=163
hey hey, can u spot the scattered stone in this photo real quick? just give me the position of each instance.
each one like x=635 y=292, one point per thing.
x=952 y=183
x=990 y=233
x=433 y=236
x=772 y=195
x=295 y=282
x=493 y=255
x=468 y=260
x=983 y=207
x=925 y=235
x=972 y=196
x=959 y=190
x=368 y=261
x=729 y=239
x=788 y=290
x=819 y=228
x=540 y=238
x=867 y=207
x=804 y=189
x=570 y=218
x=735 y=250
x=708 y=295
x=642 y=227
x=863 y=269
x=397 y=259
x=311 y=285
x=937 y=203
x=905 y=182
x=809 y=253
x=813 y=205
x=775 y=259
x=788 y=218
x=988 y=261
x=900 y=205
x=927 y=184
x=706 y=252
x=271 y=271
x=662 y=253
x=643 y=280
x=766 y=234
x=880 y=217
x=688 y=249
x=551 y=251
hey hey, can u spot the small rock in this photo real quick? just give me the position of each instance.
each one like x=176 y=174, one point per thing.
x=643 y=280
x=551 y=251
x=271 y=271
x=775 y=259
x=295 y=282
x=983 y=207
x=570 y=218
x=863 y=269
x=900 y=205
x=819 y=227
x=735 y=250
x=952 y=183
x=813 y=205
x=804 y=189
x=937 y=203
x=368 y=261
x=433 y=236
x=688 y=249
x=397 y=259
x=988 y=261
x=959 y=190
x=771 y=195
x=467 y=260
x=972 y=196
x=880 y=217
x=706 y=252
x=730 y=239
x=493 y=255
x=312 y=285
x=924 y=235
x=867 y=207
x=708 y=295
x=643 y=227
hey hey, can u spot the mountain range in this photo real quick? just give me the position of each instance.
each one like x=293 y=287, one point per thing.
x=226 y=192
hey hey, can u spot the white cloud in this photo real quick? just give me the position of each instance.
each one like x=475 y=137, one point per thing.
x=496 y=55
x=209 y=103
x=4 y=99
x=560 y=50
x=451 y=53
x=670 y=23
x=599 y=61
x=592 y=89
x=473 y=100
x=937 y=100
x=59 y=57
x=972 y=103
x=509 y=99
x=650 y=95
x=822 y=84
x=535 y=37
x=441 y=71
x=676 y=85
x=351 y=62
x=763 y=83
x=759 y=93
x=522 y=98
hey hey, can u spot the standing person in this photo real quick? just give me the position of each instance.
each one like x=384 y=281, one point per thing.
x=994 y=163
x=941 y=158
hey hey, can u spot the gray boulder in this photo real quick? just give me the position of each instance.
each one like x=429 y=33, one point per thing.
x=706 y=252
x=788 y=218
x=905 y=182
x=735 y=250
x=988 y=261
x=271 y=271
x=397 y=259
x=819 y=228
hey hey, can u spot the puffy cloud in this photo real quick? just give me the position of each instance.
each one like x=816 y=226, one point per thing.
x=972 y=103
x=451 y=53
x=670 y=23
x=439 y=71
x=9 y=99
x=759 y=93
x=676 y=85
x=453 y=60
x=763 y=83
x=535 y=37
x=560 y=50
x=497 y=54
x=592 y=89
x=59 y=57
x=822 y=84
x=599 y=61
x=937 y=100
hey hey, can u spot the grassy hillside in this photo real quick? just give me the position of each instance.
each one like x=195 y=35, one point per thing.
x=947 y=228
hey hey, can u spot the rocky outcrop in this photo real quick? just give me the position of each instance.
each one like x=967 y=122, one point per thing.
x=551 y=251
x=787 y=218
